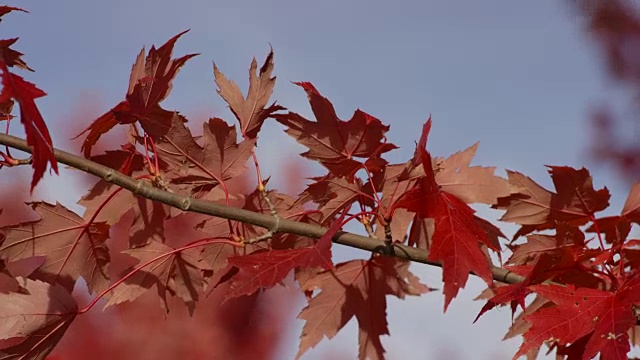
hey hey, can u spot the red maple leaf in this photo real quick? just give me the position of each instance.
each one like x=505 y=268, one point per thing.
x=10 y=56
x=148 y=221
x=150 y=83
x=179 y=273
x=356 y=288
x=250 y=111
x=514 y=294
x=615 y=228
x=4 y=9
x=38 y=137
x=62 y=237
x=220 y=158
x=175 y=147
x=519 y=325
x=561 y=257
x=335 y=142
x=113 y=203
x=332 y=195
x=535 y=208
x=602 y=318
x=265 y=269
x=457 y=236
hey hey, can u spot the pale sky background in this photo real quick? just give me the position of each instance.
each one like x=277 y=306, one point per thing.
x=520 y=77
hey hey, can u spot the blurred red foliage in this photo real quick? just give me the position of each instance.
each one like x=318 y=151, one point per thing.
x=615 y=26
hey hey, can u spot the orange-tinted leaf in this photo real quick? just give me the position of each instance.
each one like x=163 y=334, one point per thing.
x=536 y=245
x=528 y=204
x=631 y=208
x=536 y=208
x=471 y=184
x=250 y=111
x=112 y=207
x=34 y=319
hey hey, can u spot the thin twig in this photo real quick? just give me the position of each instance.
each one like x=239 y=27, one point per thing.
x=185 y=203
x=272 y=210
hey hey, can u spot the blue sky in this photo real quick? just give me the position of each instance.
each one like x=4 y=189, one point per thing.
x=520 y=77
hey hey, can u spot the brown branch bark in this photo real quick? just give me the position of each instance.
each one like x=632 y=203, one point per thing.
x=186 y=203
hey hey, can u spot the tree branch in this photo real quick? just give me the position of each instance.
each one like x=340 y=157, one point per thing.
x=186 y=203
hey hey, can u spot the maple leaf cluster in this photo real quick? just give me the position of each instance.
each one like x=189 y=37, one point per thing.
x=578 y=270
